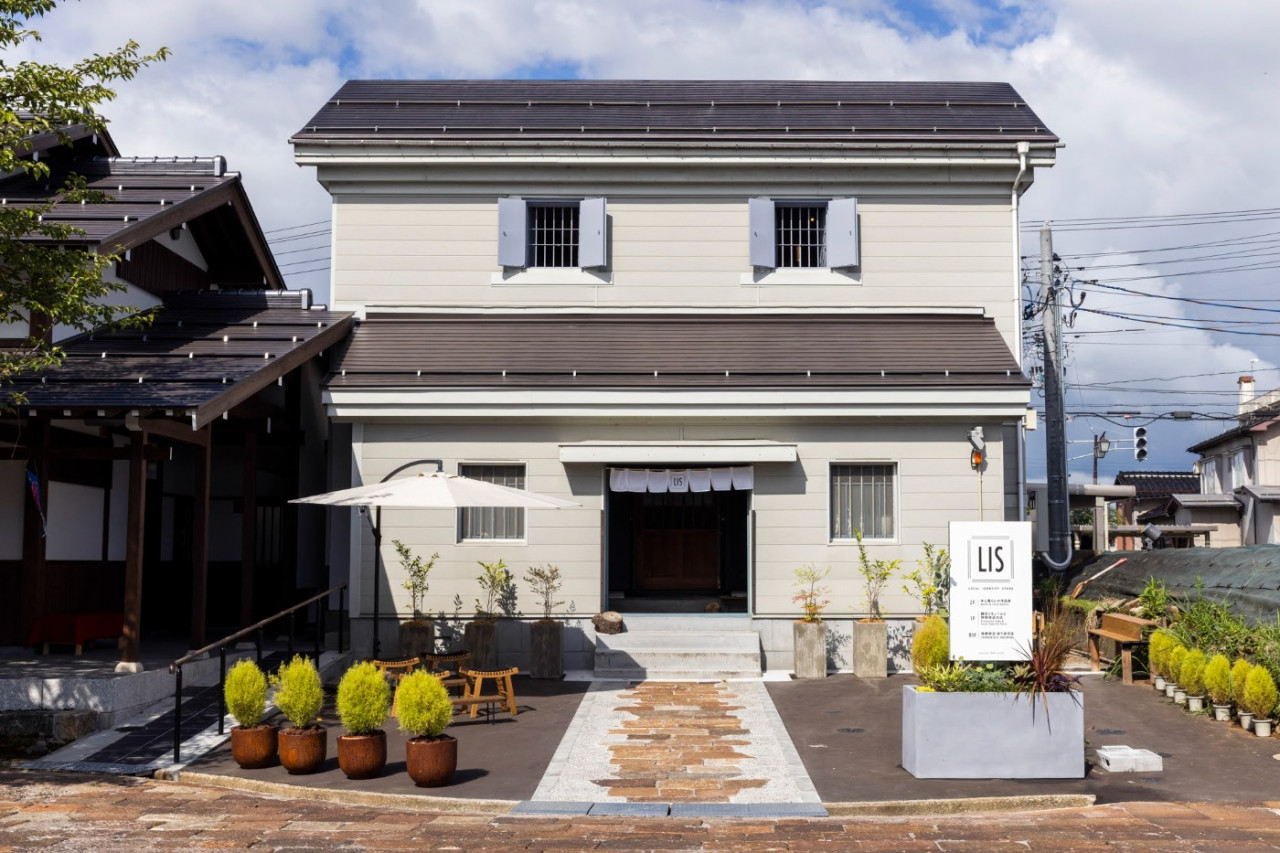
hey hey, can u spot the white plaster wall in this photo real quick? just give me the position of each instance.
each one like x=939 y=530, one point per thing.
x=132 y=296
x=74 y=516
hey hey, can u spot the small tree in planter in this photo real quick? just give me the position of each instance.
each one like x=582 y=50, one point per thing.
x=1191 y=679
x=418 y=634
x=930 y=582
x=809 y=635
x=363 y=700
x=498 y=586
x=1239 y=675
x=547 y=633
x=423 y=705
x=1174 y=666
x=299 y=696
x=1158 y=648
x=1260 y=699
x=253 y=743
x=1154 y=601
x=871 y=634
x=1217 y=683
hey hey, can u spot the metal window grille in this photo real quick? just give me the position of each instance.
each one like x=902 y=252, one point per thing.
x=801 y=235
x=553 y=234
x=492 y=522
x=862 y=499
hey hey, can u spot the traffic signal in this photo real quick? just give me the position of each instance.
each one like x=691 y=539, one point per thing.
x=1140 y=444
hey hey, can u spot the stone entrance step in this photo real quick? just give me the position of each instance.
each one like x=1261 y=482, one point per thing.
x=667 y=647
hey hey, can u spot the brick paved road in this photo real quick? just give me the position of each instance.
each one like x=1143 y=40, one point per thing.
x=84 y=813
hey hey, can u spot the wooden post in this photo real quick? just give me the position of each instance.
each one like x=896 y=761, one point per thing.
x=249 y=527
x=200 y=542
x=34 y=543
x=131 y=652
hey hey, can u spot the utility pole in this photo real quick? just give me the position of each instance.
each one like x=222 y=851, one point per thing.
x=1058 y=557
x=1101 y=445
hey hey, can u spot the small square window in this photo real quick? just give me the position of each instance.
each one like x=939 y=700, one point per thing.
x=804 y=234
x=862 y=500
x=800 y=235
x=553 y=234
x=492 y=522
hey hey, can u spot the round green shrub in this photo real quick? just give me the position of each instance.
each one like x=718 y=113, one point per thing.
x=298 y=693
x=1217 y=680
x=1173 y=664
x=246 y=693
x=1191 y=676
x=932 y=643
x=1239 y=675
x=1259 y=693
x=423 y=705
x=363 y=699
x=1158 y=652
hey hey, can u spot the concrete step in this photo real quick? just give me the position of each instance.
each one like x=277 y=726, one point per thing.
x=683 y=654
x=635 y=622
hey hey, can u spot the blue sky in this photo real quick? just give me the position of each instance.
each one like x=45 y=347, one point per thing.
x=1168 y=108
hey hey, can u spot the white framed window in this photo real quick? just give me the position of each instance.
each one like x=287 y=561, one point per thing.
x=485 y=524
x=1209 y=484
x=552 y=233
x=812 y=234
x=1240 y=469
x=863 y=498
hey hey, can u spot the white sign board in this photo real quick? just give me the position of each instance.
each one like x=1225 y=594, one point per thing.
x=990 y=590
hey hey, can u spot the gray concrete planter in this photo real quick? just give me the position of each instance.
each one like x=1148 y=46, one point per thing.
x=871 y=649
x=810 y=643
x=992 y=736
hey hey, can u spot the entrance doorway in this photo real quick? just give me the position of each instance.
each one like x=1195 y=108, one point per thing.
x=678 y=552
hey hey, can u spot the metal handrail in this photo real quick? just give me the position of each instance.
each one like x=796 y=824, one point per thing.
x=256 y=628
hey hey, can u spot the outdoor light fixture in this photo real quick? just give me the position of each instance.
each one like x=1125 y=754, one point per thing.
x=978 y=454
x=1150 y=534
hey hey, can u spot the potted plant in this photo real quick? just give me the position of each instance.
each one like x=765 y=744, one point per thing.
x=253 y=743
x=1173 y=671
x=809 y=635
x=299 y=696
x=424 y=709
x=871 y=633
x=1239 y=675
x=1260 y=699
x=1217 y=683
x=547 y=634
x=496 y=583
x=363 y=700
x=418 y=633
x=1154 y=601
x=1031 y=710
x=1158 y=648
x=1191 y=678
x=931 y=645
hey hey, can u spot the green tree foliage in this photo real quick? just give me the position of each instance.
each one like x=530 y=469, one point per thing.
x=363 y=699
x=1217 y=680
x=246 y=693
x=875 y=574
x=932 y=643
x=423 y=705
x=415 y=574
x=545 y=582
x=810 y=591
x=42 y=276
x=498 y=585
x=298 y=692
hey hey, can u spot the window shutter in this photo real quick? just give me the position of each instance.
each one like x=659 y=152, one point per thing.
x=513 y=241
x=842 y=233
x=592 y=233
x=763 y=251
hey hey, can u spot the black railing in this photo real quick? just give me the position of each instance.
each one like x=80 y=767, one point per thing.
x=256 y=629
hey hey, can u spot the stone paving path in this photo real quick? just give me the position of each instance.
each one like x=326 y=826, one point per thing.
x=77 y=812
x=677 y=742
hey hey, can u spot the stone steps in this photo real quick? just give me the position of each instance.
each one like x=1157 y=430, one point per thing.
x=657 y=648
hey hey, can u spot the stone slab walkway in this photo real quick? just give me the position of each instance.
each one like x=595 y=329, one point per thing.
x=656 y=743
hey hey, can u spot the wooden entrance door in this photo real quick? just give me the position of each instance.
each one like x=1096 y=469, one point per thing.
x=677 y=542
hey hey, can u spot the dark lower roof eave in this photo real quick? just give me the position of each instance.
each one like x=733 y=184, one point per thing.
x=670 y=141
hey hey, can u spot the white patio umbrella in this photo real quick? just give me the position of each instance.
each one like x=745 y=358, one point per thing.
x=426 y=491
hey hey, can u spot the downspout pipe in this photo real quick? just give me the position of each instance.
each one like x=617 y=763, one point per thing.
x=1024 y=148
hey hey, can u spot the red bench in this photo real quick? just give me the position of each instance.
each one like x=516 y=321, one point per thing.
x=75 y=629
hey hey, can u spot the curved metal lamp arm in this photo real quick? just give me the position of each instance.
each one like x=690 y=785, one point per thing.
x=376 y=523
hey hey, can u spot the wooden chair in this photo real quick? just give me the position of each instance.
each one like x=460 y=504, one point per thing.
x=394 y=671
x=1126 y=631
x=474 y=695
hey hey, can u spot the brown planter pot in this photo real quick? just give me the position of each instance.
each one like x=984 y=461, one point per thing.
x=362 y=756
x=417 y=638
x=253 y=747
x=303 y=750
x=431 y=762
x=547 y=645
x=482 y=642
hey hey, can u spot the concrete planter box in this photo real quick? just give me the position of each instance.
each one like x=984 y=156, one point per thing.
x=810 y=644
x=870 y=649
x=992 y=736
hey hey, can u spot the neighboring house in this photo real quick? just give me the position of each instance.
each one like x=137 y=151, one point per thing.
x=1240 y=470
x=163 y=455
x=1152 y=501
x=738 y=322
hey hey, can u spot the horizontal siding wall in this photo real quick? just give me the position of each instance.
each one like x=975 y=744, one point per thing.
x=688 y=251
x=935 y=486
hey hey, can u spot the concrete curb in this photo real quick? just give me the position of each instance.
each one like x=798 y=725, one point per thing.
x=455 y=805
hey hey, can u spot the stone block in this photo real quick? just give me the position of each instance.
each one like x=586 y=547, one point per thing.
x=1126 y=759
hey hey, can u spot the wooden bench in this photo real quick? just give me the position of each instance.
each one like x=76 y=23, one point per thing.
x=474 y=695
x=1127 y=631
x=395 y=671
x=75 y=629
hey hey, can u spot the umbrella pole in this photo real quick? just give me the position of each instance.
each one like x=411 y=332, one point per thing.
x=377 y=560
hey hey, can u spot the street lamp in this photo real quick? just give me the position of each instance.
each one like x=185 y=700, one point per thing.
x=1101 y=444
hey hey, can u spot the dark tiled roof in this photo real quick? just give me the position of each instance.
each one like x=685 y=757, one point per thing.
x=657 y=351
x=660 y=111
x=203 y=353
x=1160 y=484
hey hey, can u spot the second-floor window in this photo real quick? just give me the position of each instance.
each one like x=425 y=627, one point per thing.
x=552 y=233
x=804 y=234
